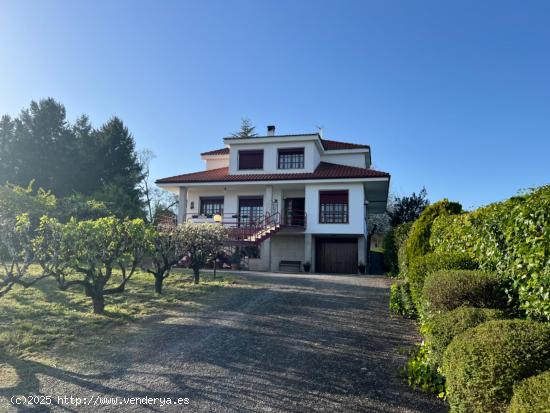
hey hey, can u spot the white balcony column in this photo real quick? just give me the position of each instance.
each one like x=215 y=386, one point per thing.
x=268 y=199
x=308 y=250
x=182 y=205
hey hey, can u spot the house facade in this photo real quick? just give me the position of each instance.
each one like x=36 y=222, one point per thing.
x=287 y=199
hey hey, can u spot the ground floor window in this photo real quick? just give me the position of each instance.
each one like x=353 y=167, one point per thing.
x=211 y=206
x=333 y=207
x=251 y=211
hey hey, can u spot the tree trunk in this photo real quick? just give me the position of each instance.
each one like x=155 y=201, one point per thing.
x=158 y=284
x=196 y=274
x=99 y=303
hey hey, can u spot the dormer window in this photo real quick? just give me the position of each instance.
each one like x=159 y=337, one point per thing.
x=251 y=159
x=291 y=158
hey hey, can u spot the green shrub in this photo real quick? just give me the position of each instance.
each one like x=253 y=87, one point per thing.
x=400 y=300
x=482 y=364
x=532 y=395
x=442 y=328
x=511 y=238
x=418 y=243
x=449 y=289
x=421 y=267
x=393 y=241
x=422 y=374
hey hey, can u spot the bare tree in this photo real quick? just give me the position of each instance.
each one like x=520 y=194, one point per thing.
x=155 y=199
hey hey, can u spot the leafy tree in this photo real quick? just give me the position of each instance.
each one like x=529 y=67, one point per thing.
x=40 y=145
x=247 y=130
x=201 y=242
x=16 y=254
x=121 y=171
x=93 y=250
x=166 y=251
x=44 y=149
x=408 y=208
x=16 y=200
x=7 y=140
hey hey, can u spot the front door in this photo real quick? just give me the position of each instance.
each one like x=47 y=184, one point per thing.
x=294 y=211
x=336 y=255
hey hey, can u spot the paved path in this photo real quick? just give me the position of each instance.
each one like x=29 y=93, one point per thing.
x=284 y=343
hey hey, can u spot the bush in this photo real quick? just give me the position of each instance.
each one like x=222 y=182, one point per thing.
x=400 y=300
x=532 y=395
x=511 y=238
x=421 y=374
x=421 y=267
x=482 y=364
x=393 y=241
x=449 y=289
x=442 y=328
x=418 y=243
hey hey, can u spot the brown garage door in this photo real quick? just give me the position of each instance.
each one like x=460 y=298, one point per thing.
x=336 y=255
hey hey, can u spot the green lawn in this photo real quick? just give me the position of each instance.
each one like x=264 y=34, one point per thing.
x=43 y=319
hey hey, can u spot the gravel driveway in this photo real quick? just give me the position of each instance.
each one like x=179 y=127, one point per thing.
x=277 y=342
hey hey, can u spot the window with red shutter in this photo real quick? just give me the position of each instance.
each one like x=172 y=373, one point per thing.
x=251 y=159
x=333 y=207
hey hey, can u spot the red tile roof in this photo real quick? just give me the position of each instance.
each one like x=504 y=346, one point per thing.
x=328 y=144
x=224 y=151
x=325 y=170
x=335 y=145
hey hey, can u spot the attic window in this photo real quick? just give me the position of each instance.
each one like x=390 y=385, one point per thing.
x=251 y=159
x=291 y=158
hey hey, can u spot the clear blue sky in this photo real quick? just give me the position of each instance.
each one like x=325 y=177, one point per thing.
x=451 y=95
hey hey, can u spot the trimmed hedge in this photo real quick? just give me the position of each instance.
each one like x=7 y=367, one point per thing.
x=421 y=267
x=482 y=364
x=418 y=242
x=442 y=328
x=449 y=289
x=400 y=300
x=511 y=238
x=532 y=395
x=393 y=242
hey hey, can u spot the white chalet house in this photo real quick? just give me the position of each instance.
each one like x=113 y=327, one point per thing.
x=294 y=199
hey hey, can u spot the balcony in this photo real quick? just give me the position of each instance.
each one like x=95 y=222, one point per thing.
x=253 y=229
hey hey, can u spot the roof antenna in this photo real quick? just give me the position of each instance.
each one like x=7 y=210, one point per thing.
x=320 y=131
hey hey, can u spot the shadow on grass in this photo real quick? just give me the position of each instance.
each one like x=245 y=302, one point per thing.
x=291 y=346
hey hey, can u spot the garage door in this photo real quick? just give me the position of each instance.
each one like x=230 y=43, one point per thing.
x=336 y=255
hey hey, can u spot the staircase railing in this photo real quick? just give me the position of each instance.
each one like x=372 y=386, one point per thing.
x=255 y=231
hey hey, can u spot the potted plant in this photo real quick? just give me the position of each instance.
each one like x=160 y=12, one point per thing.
x=307 y=266
x=235 y=259
x=361 y=267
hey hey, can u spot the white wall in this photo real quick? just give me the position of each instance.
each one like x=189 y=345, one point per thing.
x=216 y=162
x=356 y=201
x=351 y=159
x=231 y=197
x=286 y=248
x=311 y=157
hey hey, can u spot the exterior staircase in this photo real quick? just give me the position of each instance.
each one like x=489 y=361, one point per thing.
x=255 y=233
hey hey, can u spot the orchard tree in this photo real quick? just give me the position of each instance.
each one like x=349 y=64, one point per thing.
x=166 y=251
x=93 y=250
x=16 y=254
x=201 y=243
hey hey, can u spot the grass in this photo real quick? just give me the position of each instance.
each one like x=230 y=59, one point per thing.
x=43 y=319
